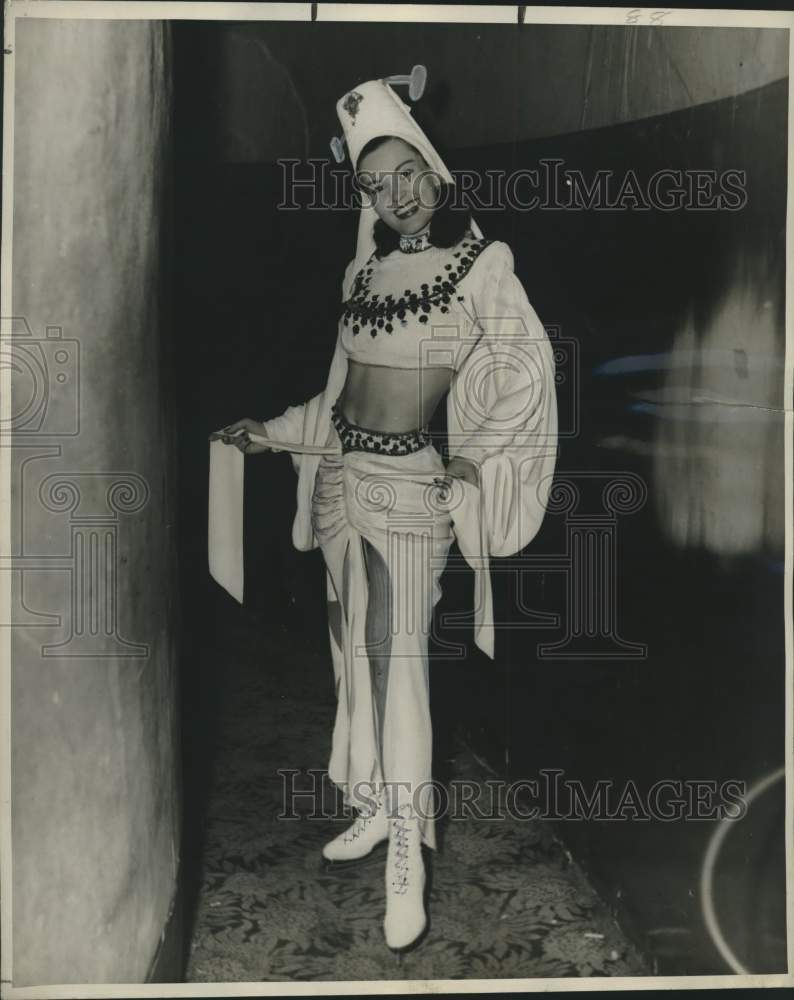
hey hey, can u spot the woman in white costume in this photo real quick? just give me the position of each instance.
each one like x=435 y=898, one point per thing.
x=430 y=308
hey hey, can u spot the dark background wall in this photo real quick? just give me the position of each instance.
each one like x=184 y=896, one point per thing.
x=678 y=318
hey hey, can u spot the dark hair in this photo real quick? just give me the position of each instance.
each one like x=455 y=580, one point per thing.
x=451 y=219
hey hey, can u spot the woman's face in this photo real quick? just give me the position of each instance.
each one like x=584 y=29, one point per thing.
x=397 y=181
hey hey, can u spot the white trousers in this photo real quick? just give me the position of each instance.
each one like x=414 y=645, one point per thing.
x=384 y=530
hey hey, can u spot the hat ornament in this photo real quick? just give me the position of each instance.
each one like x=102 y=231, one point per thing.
x=416 y=82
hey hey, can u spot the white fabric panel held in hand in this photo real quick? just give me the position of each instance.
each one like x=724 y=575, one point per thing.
x=226 y=492
x=225 y=530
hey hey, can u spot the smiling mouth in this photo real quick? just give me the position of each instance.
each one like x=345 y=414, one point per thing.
x=407 y=210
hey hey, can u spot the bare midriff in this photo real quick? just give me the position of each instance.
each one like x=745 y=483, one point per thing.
x=392 y=399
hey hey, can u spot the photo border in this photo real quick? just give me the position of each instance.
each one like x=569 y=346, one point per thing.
x=394 y=13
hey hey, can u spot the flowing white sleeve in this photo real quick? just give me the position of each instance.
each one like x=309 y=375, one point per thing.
x=506 y=407
x=291 y=426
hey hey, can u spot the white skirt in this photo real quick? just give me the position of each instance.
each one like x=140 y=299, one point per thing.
x=393 y=503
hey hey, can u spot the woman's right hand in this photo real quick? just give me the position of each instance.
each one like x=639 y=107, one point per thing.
x=239 y=433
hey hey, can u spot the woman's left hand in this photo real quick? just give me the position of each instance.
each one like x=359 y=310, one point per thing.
x=459 y=468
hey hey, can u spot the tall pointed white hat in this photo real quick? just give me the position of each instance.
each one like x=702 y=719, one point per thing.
x=374 y=109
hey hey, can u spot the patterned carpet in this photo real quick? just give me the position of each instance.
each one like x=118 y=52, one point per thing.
x=506 y=898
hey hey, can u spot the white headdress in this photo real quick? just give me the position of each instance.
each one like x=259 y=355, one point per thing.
x=373 y=109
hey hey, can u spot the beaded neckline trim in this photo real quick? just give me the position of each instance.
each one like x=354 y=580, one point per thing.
x=363 y=310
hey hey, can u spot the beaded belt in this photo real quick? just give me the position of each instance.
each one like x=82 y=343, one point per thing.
x=355 y=438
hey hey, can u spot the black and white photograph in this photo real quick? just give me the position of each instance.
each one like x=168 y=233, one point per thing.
x=396 y=483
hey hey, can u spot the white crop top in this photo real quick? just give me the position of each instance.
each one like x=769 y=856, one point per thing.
x=419 y=310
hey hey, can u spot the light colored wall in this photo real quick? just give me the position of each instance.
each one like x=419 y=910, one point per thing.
x=95 y=795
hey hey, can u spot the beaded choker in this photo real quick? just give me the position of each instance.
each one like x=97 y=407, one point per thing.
x=415 y=243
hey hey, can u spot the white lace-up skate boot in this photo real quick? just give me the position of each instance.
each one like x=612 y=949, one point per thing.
x=405 y=881
x=369 y=829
